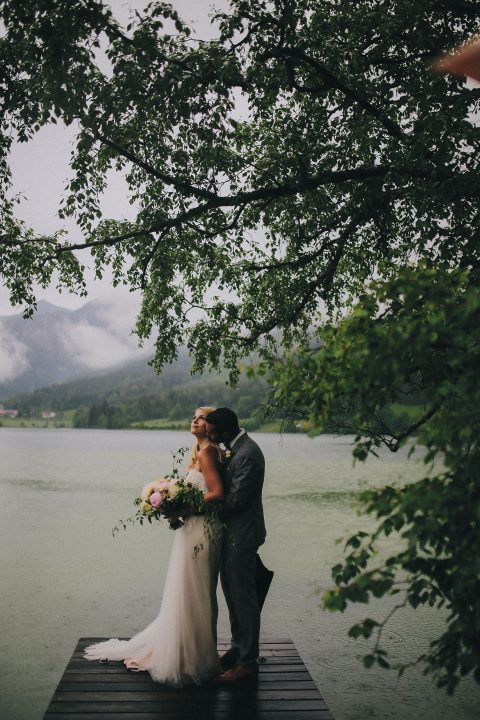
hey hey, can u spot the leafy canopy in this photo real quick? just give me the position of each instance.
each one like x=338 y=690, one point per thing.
x=306 y=189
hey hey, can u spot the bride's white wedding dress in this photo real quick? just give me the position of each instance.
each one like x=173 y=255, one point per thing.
x=179 y=646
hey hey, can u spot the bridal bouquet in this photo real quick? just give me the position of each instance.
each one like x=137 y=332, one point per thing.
x=167 y=498
x=170 y=498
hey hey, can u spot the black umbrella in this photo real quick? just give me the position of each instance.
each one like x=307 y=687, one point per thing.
x=263 y=578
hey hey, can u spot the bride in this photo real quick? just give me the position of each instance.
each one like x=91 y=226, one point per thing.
x=179 y=646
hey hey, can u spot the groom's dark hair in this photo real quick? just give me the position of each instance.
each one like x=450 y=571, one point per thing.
x=224 y=419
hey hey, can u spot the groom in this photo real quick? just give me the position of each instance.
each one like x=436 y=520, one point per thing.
x=242 y=513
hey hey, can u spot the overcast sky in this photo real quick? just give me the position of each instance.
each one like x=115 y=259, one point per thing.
x=40 y=171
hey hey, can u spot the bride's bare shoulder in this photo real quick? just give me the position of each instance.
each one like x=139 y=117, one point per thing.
x=210 y=453
x=207 y=451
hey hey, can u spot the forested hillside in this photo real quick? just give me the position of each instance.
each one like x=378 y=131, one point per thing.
x=135 y=393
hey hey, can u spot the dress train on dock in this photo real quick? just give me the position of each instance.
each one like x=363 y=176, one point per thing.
x=179 y=647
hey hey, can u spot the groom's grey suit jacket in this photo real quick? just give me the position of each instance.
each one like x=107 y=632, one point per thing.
x=242 y=510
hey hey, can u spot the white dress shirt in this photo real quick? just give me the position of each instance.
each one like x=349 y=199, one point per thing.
x=242 y=432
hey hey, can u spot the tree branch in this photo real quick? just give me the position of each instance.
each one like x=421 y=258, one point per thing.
x=394 y=443
x=275 y=192
x=178 y=182
x=334 y=82
x=223 y=228
x=325 y=277
x=302 y=260
x=416 y=425
x=112 y=30
x=242 y=198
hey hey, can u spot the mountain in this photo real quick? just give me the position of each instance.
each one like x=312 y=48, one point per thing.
x=57 y=345
x=86 y=360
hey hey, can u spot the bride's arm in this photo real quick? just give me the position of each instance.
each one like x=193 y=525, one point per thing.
x=207 y=459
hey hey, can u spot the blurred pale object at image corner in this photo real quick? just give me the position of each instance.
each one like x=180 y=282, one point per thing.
x=462 y=60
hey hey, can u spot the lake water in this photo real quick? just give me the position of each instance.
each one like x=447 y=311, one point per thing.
x=63 y=576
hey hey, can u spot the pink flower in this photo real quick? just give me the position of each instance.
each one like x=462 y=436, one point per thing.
x=163 y=486
x=156 y=499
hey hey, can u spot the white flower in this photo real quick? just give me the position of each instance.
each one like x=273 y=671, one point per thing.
x=148 y=490
x=174 y=489
x=146 y=508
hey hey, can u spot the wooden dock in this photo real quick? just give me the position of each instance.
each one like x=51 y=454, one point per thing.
x=284 y=690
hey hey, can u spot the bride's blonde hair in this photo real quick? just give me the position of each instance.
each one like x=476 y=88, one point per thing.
x=196 y=447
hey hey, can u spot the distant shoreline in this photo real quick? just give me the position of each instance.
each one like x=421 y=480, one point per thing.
x=64 y=424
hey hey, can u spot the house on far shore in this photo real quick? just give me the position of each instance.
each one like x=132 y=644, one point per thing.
x=48 y=414
x=8 y=413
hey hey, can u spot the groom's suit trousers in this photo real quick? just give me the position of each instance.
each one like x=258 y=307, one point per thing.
x=242 y=513
x=238 y=583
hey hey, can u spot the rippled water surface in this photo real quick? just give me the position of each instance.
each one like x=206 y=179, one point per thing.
x=63 y=575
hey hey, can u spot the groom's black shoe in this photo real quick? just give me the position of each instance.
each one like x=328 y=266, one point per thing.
x=228 y=660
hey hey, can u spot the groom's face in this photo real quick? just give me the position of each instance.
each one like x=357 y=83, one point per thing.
x=212 y=433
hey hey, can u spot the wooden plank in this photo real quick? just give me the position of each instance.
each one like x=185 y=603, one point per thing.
x=96 y=669
x=283 y=690
x=267 y=671
x=146 y=691
x=93 y=668
x=150 y=695
x=247 y=709
x=264 y=652
x=272 y=661
x=143 y=679
x=277 y=715
x=221 y=644
x=252 y=690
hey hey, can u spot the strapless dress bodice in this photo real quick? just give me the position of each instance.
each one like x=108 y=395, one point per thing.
x=196 y=478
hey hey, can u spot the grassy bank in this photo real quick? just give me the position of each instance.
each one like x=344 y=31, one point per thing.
x=161 y=424
x=22 y=422
x=397 y=414
x=251 y=424
x=156 y=424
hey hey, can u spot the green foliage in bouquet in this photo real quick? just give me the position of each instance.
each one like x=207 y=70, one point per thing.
x=145 y=511
x=172 y=498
